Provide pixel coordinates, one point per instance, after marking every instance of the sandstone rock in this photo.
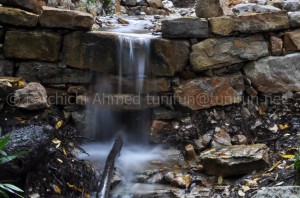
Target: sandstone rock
(31, 97)
(221, 138)
(208, 8)
(185, 28)
(235, 160)
(155, 3)
(206, 92)
(37, 45)
(294, 19)
(6, 68)
(182, 181)
(219, 52)
(275, 74)
(250, 8)
(49, 73)
(168, 56)
(93, 50)
(239, 140)
(30, 5)
(190, 153)
(60, 18)
(281, 191)
(292, 40)
(17, 17)
(276, 45)
(249, 24)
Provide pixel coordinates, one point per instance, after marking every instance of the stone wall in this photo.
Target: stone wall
(197, 64)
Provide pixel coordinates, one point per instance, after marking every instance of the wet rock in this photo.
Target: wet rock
(250, 8)
(239, 140)
(282, 191)
(31, 97)
(6, 67)
(268, 75)
(200, 191)
(61, 18)
(276, 46)
(168, 56)
(50, 73)
(155, 179)
(189, 152)
(235, 160)
(30, 5)
(129, 2)
(182, 181)
(208, 8)
(155, 3)
(203, 142)
(158, 127)
(168, 4)
(17, 17)
(221, 138)
(219, 52)
(82, 50)
(185, 28)
(169, 176)
(250, 24)
(292, 40)
(142, 3)
(37, 45)
(294, 19)
(206, 92)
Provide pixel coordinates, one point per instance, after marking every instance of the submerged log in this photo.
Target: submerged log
(105, 182)
(33, 143)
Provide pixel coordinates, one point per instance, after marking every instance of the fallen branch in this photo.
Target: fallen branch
(105, 182)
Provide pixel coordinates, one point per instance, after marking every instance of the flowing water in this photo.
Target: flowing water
(105, 122)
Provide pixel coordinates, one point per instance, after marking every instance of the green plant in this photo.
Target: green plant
(4, 158)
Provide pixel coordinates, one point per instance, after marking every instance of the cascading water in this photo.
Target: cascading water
(105, 121)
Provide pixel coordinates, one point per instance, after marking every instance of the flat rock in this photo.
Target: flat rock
(17, 17)
(50, 73)
(37, 45)
(155, 3)
(93, 50)
(185, 28)
(276, 46)
(294, 19)
(208, 8)
(61, 18)
(29, 5)
(249, 24)
(219, 52)
(235, 160)
(282, 192)
(206, 92)
(250, 8)
(168, 56)
(31, 97)
(292, 40)
(270, 74)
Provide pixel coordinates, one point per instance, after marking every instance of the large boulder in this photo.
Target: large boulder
(17, 17)
(206, 92)
(208, 8)
(37, 45)
(30, 5)
(292, 40)
(250, 24)
(61, 18)
(185, 28)
(220, 52)
(275, 74)
(50, 73)
(31, 97)
(93, 50)
(168, 56)
(294, 19)
(235, 160)
(280, 191)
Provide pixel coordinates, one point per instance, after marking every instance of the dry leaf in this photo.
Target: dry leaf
(74, 187)
(59, 160)
(58, 124)
(57, 142)
(56, 189)
(65, 152)
(283, 126)
(273, 167)
(220, 180)
(288, 156)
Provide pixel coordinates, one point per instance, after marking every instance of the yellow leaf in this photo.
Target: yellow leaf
(224, 155)
(288, 156)
(260, 111)
(287, 167)
(74, 187)
(56, 189)
(283, 126)
(273, 167)
(220, 180)
(65, 152)
(57, 142)
(59, 160)
(58, 124)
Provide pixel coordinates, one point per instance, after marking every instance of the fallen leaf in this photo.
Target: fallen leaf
(241, 193)
(273, 167)
(74, 187)
(224, 156)
(60, 160)
(57, 142)
(288, 156)
(245, 188)
(56, 189)
(58, 124)
(65, 152)
(220, 180)
(283, 126)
